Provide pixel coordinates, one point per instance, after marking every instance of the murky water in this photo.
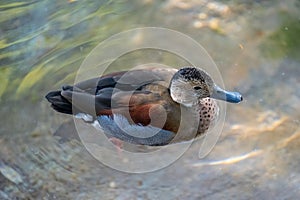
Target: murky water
(256, 47)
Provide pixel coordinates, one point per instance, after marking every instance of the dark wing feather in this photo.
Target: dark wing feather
(101, 94)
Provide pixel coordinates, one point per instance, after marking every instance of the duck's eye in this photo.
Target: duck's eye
(197, 88)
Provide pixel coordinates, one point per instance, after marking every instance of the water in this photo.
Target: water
(255, 45)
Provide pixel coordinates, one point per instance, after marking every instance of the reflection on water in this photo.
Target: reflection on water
(230, 160)
(255, 46)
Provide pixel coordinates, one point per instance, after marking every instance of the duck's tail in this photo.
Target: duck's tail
(58, 102)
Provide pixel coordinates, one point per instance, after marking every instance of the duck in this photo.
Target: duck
(151, 106)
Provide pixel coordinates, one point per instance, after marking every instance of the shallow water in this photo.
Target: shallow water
(255, 46)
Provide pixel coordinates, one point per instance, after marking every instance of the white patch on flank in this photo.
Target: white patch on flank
(97, 125)
(85, 117)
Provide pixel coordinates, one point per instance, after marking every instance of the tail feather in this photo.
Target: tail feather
(58, 102)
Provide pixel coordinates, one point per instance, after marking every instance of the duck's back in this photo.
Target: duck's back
(140, 92)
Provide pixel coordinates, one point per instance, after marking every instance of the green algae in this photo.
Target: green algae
(4, 78)
(54, 49)
(8, 12)
(285, 41)
(31, 78)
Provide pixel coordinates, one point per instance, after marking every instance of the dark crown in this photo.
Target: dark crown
(193, 73)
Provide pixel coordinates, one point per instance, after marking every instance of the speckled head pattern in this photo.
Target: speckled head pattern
(189, 85)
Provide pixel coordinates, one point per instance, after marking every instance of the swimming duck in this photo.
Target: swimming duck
(146, 106)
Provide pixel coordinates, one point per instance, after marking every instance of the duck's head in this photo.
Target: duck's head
(189, 84)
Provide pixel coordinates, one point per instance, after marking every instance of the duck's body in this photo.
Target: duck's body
(144, 106)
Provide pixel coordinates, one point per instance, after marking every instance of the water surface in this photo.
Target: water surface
(256, 47)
